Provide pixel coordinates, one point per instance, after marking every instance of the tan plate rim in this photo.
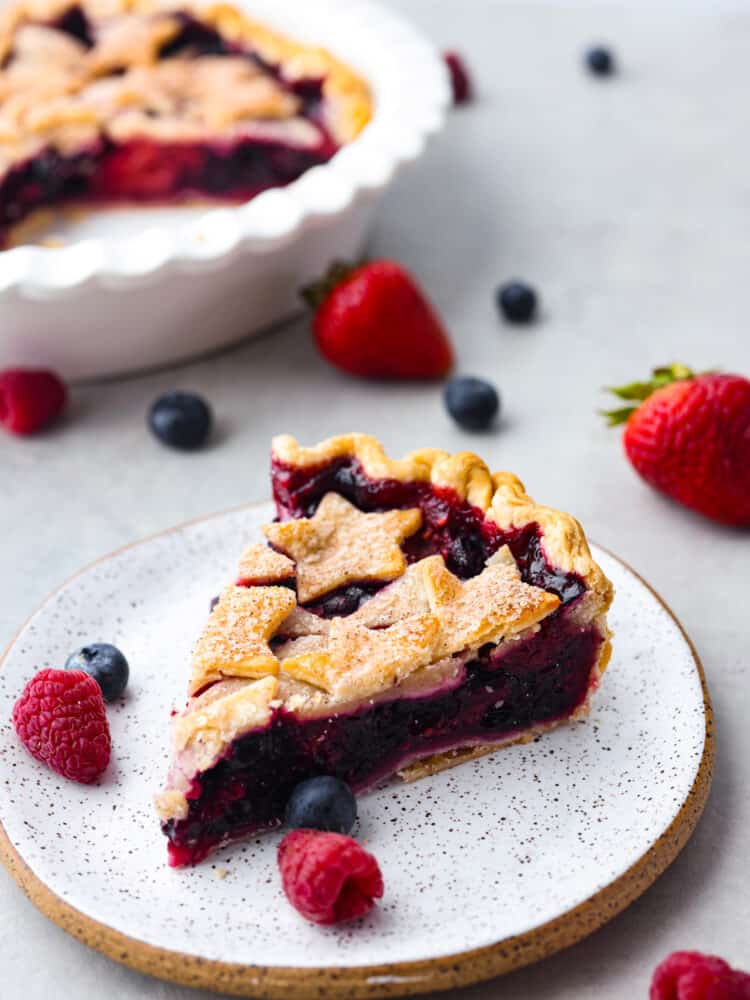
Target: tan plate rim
(398, 978)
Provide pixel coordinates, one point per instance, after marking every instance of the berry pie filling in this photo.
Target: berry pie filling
(160, 106)
(452, 527)
(387, 671)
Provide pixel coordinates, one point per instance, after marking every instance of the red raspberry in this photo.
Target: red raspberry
(30, 398)
(60, 719)
(328, 877)
(689, 975)
(460, 79)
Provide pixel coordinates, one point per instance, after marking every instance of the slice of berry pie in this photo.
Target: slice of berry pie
(406, 616)
(107, 101)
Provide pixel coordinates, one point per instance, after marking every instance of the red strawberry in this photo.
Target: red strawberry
(372, 320)
(30, 398)
(689, 436)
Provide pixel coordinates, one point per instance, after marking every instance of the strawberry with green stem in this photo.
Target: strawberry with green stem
(372, 320)
(688, 435)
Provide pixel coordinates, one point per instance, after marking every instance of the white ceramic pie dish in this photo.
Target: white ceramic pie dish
(137, 288)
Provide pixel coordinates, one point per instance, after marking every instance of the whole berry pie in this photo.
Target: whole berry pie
(107, 101)
(403, 617)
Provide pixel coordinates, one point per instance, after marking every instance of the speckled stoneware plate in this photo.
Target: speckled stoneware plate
(487, 867)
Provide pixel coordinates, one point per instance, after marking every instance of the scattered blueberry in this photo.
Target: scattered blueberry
(214, 602)
(323, 803)
(181, 420)
(517, 301)
(472, 402)
(600, 61)
(106, 664)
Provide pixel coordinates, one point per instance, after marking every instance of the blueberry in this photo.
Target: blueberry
(472, 402)
(517, 301)
(323, 803)
(181, 420)
(106, 664)
(600, 61)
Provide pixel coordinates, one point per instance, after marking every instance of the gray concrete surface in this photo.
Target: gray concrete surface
(627, 203)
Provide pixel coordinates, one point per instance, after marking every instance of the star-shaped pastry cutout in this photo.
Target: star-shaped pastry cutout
(360, 662)
(261, 566)
(404, 597)
(131, 40)
(234, 642)
(424, 617)
(486, 608)
(340, 545)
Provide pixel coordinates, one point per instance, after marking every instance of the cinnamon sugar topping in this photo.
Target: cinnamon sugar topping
(484, 609)
(234, 642)
(261, 565)
(341, 545)
(361, 661)
(462, 616)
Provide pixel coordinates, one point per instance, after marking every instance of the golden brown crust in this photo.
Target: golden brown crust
(205, 732)
(500, 496)
(359, 662)
(463, 472)
(437, 762)
(340, 544)
(259, 566)
(485, 609)
(171, 804)
(56, 91)
(349, 98)
(234, 642)
(428, 615)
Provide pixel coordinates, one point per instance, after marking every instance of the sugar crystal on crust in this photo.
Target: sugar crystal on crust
(234, 642)
(206, 731)
(340, 544)
(494, 604)
(260, 565)
(361, 661)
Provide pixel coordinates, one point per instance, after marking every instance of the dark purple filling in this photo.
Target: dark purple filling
(451, 527)
(75, 23)
(539, 680)
(143, 170)
(344, 601)
(197, 39)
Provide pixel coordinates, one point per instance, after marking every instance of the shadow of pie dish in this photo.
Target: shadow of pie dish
(404, 616)
(142, 115)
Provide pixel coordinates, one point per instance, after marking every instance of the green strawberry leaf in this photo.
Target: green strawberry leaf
(633, 390)
(315, 293)
(672, 373)
(619, 416)
(637, 392)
